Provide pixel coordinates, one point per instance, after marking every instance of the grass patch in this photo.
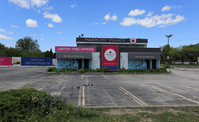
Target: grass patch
(32, 105)
(121, 71)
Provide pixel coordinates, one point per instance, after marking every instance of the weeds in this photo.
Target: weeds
(104, 70)
(23, 103)
(32, 105)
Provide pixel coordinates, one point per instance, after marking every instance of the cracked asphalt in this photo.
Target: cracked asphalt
(105, 90)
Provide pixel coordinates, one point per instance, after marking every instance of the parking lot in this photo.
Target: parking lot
(179, 88)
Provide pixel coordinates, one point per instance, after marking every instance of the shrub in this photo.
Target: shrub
(25, 103)
(99, 70)
(122, 70)
(80, 70)
(51, 69)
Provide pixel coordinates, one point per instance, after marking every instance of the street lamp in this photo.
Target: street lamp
(168, 36)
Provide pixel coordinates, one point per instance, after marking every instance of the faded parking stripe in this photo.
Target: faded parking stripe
(178, 95)
(133, 96)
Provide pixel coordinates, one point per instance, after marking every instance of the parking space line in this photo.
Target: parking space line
(1, 87)
(83, 97)
(82, 76)
(192, 88)
(133, 96)
(86, 81)
(178, 95)
(110, 97)
(36, 75)
(63, 88)
(104, 76)
(60, 76)
(40, 89)
(79, 97)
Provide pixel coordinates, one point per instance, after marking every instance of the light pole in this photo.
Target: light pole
(168, 36)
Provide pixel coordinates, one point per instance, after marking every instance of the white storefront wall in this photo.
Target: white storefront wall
(124, 60)
(95, 62)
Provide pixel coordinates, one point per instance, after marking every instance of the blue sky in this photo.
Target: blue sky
(59, 22)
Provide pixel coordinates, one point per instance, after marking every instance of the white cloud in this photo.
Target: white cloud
(29, 3)
(31, 23)
(103, 23)
(14, 26)
(160, 21)
(136, 12)
(4, 31)
(73, 5)
(96, 23)
(47, 8)
(22, 3)
(166, 8)
(149, 14)
(50, 25)
(114, 18)
(54, 17)
(5, 37)
(58, 32)
(10, 32)
(10, 46)
(107, 17)
(128, 22)
(33, 34)
(38, 3)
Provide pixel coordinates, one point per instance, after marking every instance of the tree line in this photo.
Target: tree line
(188, 53)
(25, 47)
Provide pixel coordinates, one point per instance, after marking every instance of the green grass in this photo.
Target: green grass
(121, 71)
(32, 105)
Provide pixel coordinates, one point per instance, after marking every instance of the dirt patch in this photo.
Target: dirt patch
(121, 111)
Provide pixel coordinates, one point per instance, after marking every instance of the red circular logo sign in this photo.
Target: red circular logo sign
(133, 40)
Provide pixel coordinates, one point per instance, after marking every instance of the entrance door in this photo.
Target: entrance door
(153, 64)
(148, 64)
(79, 63)
(86, 64)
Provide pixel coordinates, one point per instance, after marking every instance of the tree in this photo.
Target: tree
(49, 53)
(28, 47)
(183, 53)
(2, 46)
(164, 52)
(10, 52)
(27, 44)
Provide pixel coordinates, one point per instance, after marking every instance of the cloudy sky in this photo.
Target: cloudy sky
(59, 22)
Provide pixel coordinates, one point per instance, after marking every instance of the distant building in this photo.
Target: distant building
(111, 53)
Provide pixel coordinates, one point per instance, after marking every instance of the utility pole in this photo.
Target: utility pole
(168, 36)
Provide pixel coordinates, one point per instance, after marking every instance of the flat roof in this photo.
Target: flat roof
(83, 40)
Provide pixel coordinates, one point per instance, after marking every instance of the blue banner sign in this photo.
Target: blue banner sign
(35, 61)
(111, 68)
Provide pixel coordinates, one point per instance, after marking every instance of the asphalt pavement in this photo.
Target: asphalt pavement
(106, 90)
